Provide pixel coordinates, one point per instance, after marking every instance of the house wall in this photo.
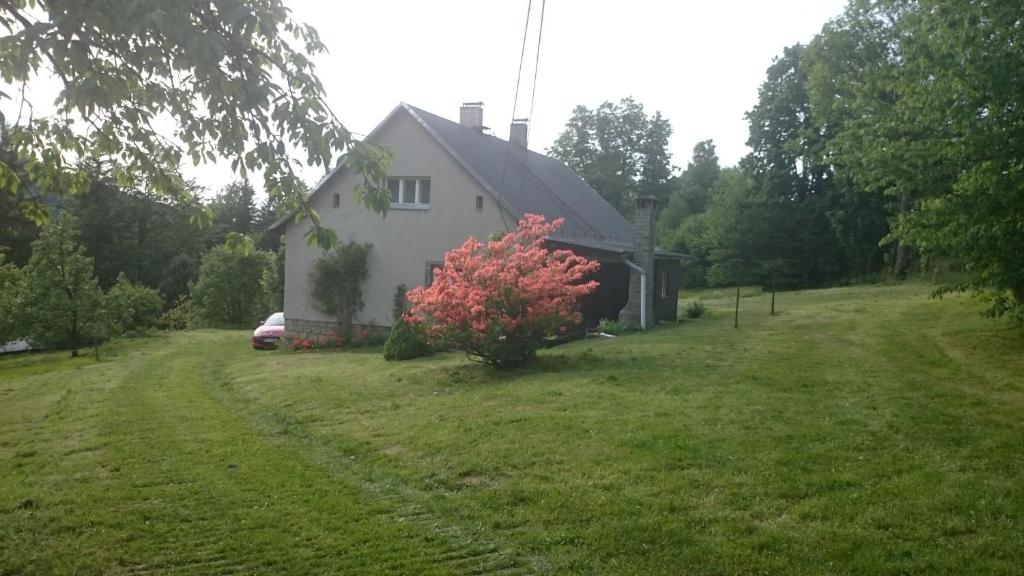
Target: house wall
(403, 242)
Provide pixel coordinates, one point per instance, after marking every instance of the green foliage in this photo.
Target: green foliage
(690, 195)
(335, 283)
(615, 327)
(248, 63)
(62, 304)
(926, 104)
(179, 316)
(620, 150)
(11, 279)
(132, 306)
(234, 211)
(399, 304)
(126, 230)
(695, 309)
(406, 341)
(177, 277)
(229, 289)
(272, 282)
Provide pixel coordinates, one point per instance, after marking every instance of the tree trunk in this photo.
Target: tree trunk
(902, 260)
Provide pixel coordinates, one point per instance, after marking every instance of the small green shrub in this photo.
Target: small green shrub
(405, 342)
(614, 327)
(132, 307)
(695, 309)
(179, 317)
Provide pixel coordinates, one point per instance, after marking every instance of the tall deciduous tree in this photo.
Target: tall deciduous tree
(131, 232)
(934, 116)
(234, 210)
(691, 192)
(787, 165)
(620, 150)
(62, 304)
(11, 279)
(229, 290)
(236, 78)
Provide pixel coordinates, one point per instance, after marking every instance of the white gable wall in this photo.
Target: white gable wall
(406, 240)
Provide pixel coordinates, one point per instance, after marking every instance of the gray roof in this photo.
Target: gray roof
(524, 181)
(528, 182)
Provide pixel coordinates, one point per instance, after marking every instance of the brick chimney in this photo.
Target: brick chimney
(519, 131)
(643, 258)
(471, 114)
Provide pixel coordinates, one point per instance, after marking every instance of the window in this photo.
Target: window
(337, 200)
(432, 268)
(409, 192)
(393, 187)
(479, 203)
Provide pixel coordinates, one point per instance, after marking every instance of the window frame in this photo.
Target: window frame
(417, 192)
(428, 276)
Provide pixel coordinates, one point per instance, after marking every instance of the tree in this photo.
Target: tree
(225, 71)
(500, 300)
(789, 167)
(272, 282)
(619, 150)
(61, 298)
(131, 306)
(691, 192)
(234, 210)
(11, 279)
(177, 278)
(931, 114)
(131, 232)
(336, 284)
(229, 290)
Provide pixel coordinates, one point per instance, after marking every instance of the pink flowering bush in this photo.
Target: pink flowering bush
(498, 301)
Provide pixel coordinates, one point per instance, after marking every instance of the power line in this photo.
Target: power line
(536, 62)
(515, 103)
(533, 95)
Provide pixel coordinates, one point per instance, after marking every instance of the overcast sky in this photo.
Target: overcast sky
(699, 62)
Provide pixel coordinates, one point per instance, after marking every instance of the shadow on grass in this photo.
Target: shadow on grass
(479, 374)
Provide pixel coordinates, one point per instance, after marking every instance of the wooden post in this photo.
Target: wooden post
(736, 317)
(773, 295)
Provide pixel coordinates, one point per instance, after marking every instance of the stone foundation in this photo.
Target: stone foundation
(314, 329)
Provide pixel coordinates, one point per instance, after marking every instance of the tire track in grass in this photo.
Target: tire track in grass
(466, 551)
(214, 490)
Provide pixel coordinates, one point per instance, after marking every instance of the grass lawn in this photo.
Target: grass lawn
(861, 431)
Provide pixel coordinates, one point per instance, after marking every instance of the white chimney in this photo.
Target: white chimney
(471, 114)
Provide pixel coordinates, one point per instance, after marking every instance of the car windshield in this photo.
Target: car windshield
(275, 320)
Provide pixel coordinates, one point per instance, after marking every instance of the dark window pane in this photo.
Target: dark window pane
(393, 187)
(408, 191)
(337, 200)
(479, 202)
(424, 191)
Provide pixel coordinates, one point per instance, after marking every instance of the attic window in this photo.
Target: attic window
(409, 192)
(479, 203)
(337, 200)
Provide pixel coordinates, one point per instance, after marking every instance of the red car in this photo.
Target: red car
(269, 332)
